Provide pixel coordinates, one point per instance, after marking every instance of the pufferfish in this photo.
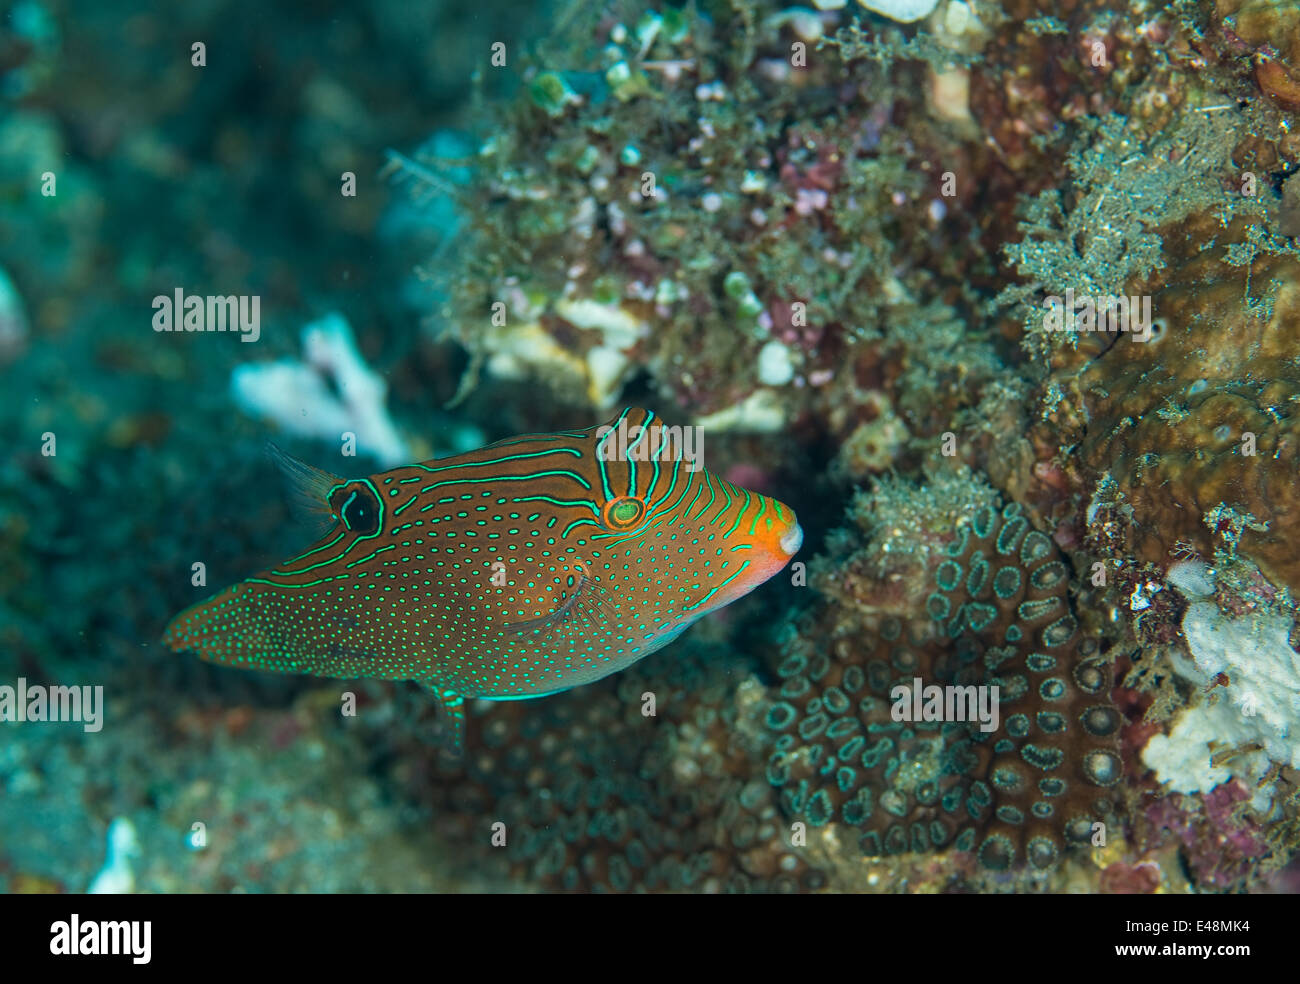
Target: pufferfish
(525, 568)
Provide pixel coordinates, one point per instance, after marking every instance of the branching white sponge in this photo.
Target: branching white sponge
(331, 391)
(904, 11)
(1259, 705)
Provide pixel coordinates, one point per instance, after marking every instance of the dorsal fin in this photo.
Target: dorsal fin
(307, 490)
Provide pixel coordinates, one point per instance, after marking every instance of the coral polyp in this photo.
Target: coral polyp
(1021, 786)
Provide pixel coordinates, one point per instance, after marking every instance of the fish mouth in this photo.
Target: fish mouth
(791, 540)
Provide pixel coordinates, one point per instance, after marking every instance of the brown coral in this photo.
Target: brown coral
(1269, 30)
(1206, 415)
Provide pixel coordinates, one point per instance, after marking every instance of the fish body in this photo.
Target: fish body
(522, 569)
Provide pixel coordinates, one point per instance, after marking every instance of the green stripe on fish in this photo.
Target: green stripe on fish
(525, 568)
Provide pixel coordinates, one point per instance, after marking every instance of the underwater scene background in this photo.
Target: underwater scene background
(1000, 297)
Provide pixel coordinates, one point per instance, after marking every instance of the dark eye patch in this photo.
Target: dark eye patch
(357, 507)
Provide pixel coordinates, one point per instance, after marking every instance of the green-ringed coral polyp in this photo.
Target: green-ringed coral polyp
(595, 794)
(999, 615)
(1005, 585)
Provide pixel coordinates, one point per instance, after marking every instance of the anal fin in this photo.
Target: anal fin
(451, 718)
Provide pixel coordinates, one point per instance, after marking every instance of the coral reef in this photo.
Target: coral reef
(705, 212)
(1220, 845)
(1264, 37)
(828, 233)
(594, 794)
(1020, 791)
(1206, 417)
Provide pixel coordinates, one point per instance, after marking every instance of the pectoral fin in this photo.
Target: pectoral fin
(587, 603)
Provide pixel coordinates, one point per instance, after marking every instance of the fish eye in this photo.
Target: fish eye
(357, 507)
(623, 513)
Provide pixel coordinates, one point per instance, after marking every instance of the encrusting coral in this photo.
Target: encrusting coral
(596, 794)
(999, 615)
(1206, 415)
